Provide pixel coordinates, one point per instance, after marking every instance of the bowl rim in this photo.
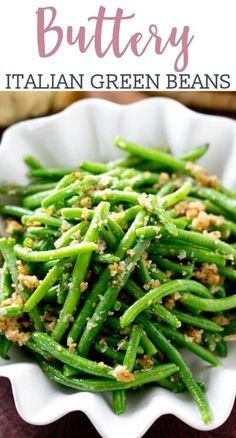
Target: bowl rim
(94, 102)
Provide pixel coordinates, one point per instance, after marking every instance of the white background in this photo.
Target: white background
(211, 21)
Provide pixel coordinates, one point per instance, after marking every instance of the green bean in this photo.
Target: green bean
(115, 228)
(181, 222)
(43, 232)
(6, 247)
(13, 210)
(52, 348)
(197, 321)
(157, 274)
(173, 354)
(221, 200)
(119, 401)
(145, 342)
(183, 341)
(49, 173)
(52, 293)
(160, 311)
(12, 310)
(34, 201)
(221, 348)
(196, 153)
(166, 316)
(149, 232)
(109, 298)
(229, 273)
(5, 345)
(231, 328)
(210, 340)
(160, 292)
(67, 237)
(107, 234)
(36, 188)
(54, 254)
(88, 307)
(33, 162)
(92, 167)
(185, 252)
(177, 196)
(205, 241)
(42, 219)
(79, 274)
(119, 398)
(178, 268)
(152, 154)
(49, 281)
(5, 283)
(127, 215)
(105, 258)
(123, 344)
(152, 204)
(168, 188)
(114, 196)
(66, 192)
(63, 287)
(133, 343)
(109, 352)
(174, 386)
(76, 213)
(94, 385)
(210, 305)
(143, 273)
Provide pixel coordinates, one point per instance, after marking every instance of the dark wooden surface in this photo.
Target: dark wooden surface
(77, 425)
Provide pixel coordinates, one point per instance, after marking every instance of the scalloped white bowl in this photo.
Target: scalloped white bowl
(86, 131)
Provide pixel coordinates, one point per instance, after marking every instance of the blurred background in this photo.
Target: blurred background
(15, 106)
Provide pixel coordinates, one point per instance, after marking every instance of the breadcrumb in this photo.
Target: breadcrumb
(220, 320)
(194, 334)
(116, 268)
(215, 235)
(11, 328)
(145, 361)
(204, 221)
(163, 177)
(122, 374)
(154, 283)
(90, 325)
(170, 301)
(230, 337)
(49, 321)
(86, 202)
(12, 226)
(146, 202)
(202, 176)
(208, 274)
(29, 281)
(83, 286)
(85, 214)
(101, 245)
(14, 299)
(72, 346)
(21, 269)
(65, 226)
(189, 209)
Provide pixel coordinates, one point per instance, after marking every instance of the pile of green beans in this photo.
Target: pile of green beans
(105, 277)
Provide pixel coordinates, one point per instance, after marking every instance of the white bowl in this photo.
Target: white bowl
(86, 131)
